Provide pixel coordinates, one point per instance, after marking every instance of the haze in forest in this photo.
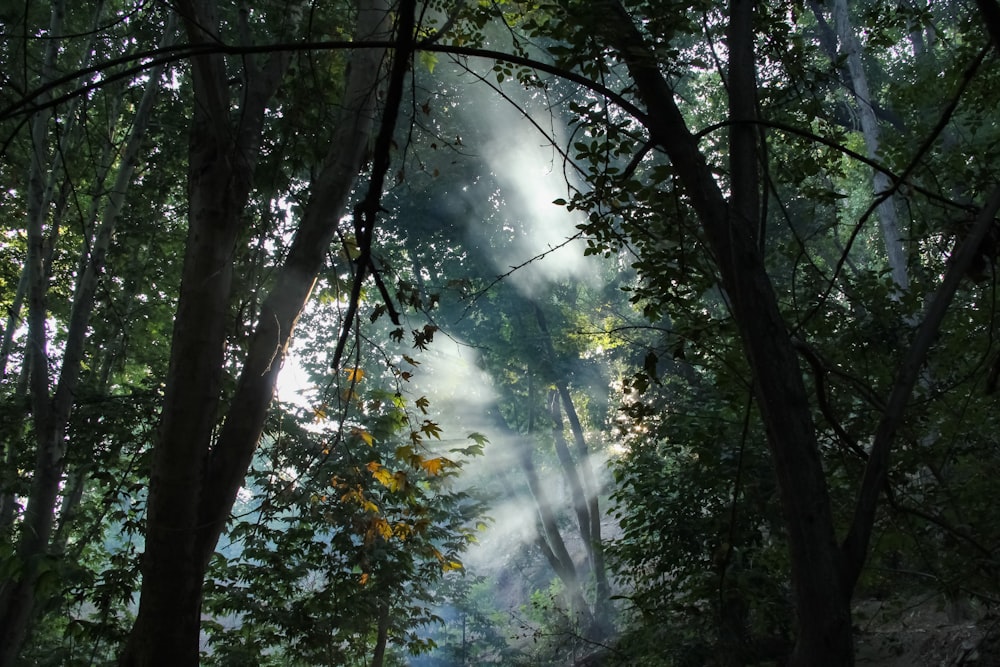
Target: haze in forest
(774, 298)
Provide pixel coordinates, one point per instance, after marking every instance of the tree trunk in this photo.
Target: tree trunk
(822, 596)
(382, 636)
(583, 485)
(220, 168)
(889, 221)
(17, 593)
(554, 547)
(193, 484)
(231, 456)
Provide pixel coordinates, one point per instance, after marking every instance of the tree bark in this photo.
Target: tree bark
(222, 158)
(193, 484)
(889, 221)
(822, 596)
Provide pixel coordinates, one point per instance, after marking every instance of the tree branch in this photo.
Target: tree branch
(855, 544)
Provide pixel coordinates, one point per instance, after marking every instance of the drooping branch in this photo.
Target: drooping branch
(366, 212)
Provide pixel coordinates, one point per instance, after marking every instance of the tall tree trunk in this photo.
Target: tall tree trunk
(231, 455)
(554, 547)
(222, 158)
(55, 412)
(823, 572)
(193, 484)
(579, 475)
(822, 596)
(17, 593)
(892, 237)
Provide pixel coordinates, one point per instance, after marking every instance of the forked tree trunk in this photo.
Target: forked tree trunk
(579, 474)
(222, 156)
(193, 483)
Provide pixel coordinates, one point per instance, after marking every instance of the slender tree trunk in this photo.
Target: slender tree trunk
(888, 219)
(582, 482)
(602, 603)
(52, 415)
(570, 474)
(17, 593)
(554, 546)
(382, 636)
(83, 302)
(13, 321)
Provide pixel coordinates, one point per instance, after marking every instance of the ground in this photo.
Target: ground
(926, 632)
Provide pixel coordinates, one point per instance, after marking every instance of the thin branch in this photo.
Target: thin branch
(366, 212)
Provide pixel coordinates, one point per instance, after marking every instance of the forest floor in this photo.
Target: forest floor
(925, 632)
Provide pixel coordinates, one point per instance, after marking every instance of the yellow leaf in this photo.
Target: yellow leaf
(435, 466)
(384, 529)
(364, 578)
(400, 481)
(451, 565)
(402, 531)
(383, 476)
(319, 412)
(364, 435)
(354, 374)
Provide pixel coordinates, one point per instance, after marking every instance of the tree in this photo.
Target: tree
(195, 474)
(750, 222)
(824, 571)
(52, 404)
